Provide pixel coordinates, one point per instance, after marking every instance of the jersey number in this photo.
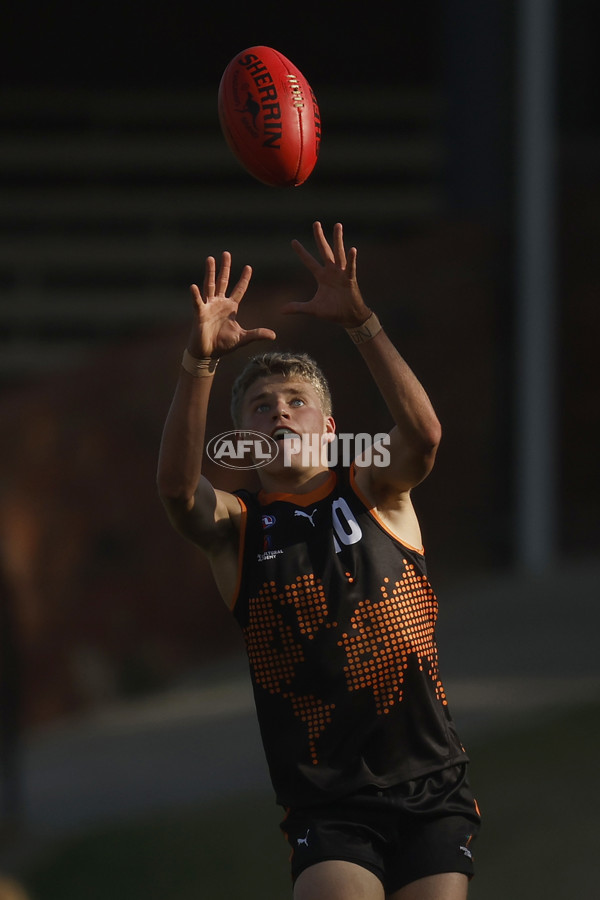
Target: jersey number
(346, 528)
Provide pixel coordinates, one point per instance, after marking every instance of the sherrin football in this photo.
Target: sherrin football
(270, 117)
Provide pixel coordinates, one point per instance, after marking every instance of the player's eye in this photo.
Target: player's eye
(262, 407)
(297, 401)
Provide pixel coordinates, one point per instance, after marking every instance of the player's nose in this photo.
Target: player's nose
(280, 410)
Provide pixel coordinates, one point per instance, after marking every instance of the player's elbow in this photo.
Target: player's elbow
(180, 512)
(176, 508)
(430, 438)
(173, 494)
(427, 448)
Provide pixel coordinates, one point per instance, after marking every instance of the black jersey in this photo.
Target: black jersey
(338, 618)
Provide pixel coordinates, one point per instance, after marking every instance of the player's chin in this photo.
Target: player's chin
(290, 464)
(285, 465)
(272, 467)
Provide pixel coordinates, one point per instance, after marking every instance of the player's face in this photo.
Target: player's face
(284, 407)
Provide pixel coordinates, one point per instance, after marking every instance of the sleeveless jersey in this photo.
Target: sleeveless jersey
(338, 618)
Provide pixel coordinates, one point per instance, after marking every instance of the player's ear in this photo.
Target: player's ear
(330, 426)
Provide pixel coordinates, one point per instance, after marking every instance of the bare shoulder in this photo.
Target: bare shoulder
(393, 507)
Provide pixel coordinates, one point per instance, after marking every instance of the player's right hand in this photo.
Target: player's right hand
(216, 330)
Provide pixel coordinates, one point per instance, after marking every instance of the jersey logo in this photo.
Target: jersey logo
(268, 521)
(309, 516)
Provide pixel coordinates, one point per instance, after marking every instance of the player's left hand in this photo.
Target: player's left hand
(338, 297)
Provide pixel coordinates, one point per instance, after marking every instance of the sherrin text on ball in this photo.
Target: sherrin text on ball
(270, 117)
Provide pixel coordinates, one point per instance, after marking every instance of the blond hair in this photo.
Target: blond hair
(290, 365)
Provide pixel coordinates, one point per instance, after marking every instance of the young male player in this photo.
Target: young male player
(324, 571)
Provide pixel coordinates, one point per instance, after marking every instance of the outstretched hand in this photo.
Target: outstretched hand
(338, 297)
(216, 330)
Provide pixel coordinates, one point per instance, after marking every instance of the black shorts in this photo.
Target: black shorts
(403, 833)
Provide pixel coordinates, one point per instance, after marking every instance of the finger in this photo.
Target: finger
(351, 267)
(209, 277)
(242, 284)
(307, 258)
(257, 334)
(322, 243)
(338, 245)
(223, 276)
(196, 295)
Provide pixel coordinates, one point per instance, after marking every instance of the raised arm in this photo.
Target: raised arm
(195, 508)
(417, 432)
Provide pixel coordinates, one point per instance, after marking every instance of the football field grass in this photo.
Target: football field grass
(538, 787)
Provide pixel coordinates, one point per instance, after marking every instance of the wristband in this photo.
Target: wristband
(199, 368)
(366, 331)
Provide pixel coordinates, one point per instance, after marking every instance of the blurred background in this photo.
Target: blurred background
(461, 150)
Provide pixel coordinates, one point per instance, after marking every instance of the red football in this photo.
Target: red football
(270, 117)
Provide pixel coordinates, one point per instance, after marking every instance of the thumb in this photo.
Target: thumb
(257, 334)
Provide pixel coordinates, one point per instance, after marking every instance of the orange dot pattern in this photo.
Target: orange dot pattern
(382, 636)
(306, 594)
(274, 654)
(386, 632)
(272, 651)
(316, 715)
